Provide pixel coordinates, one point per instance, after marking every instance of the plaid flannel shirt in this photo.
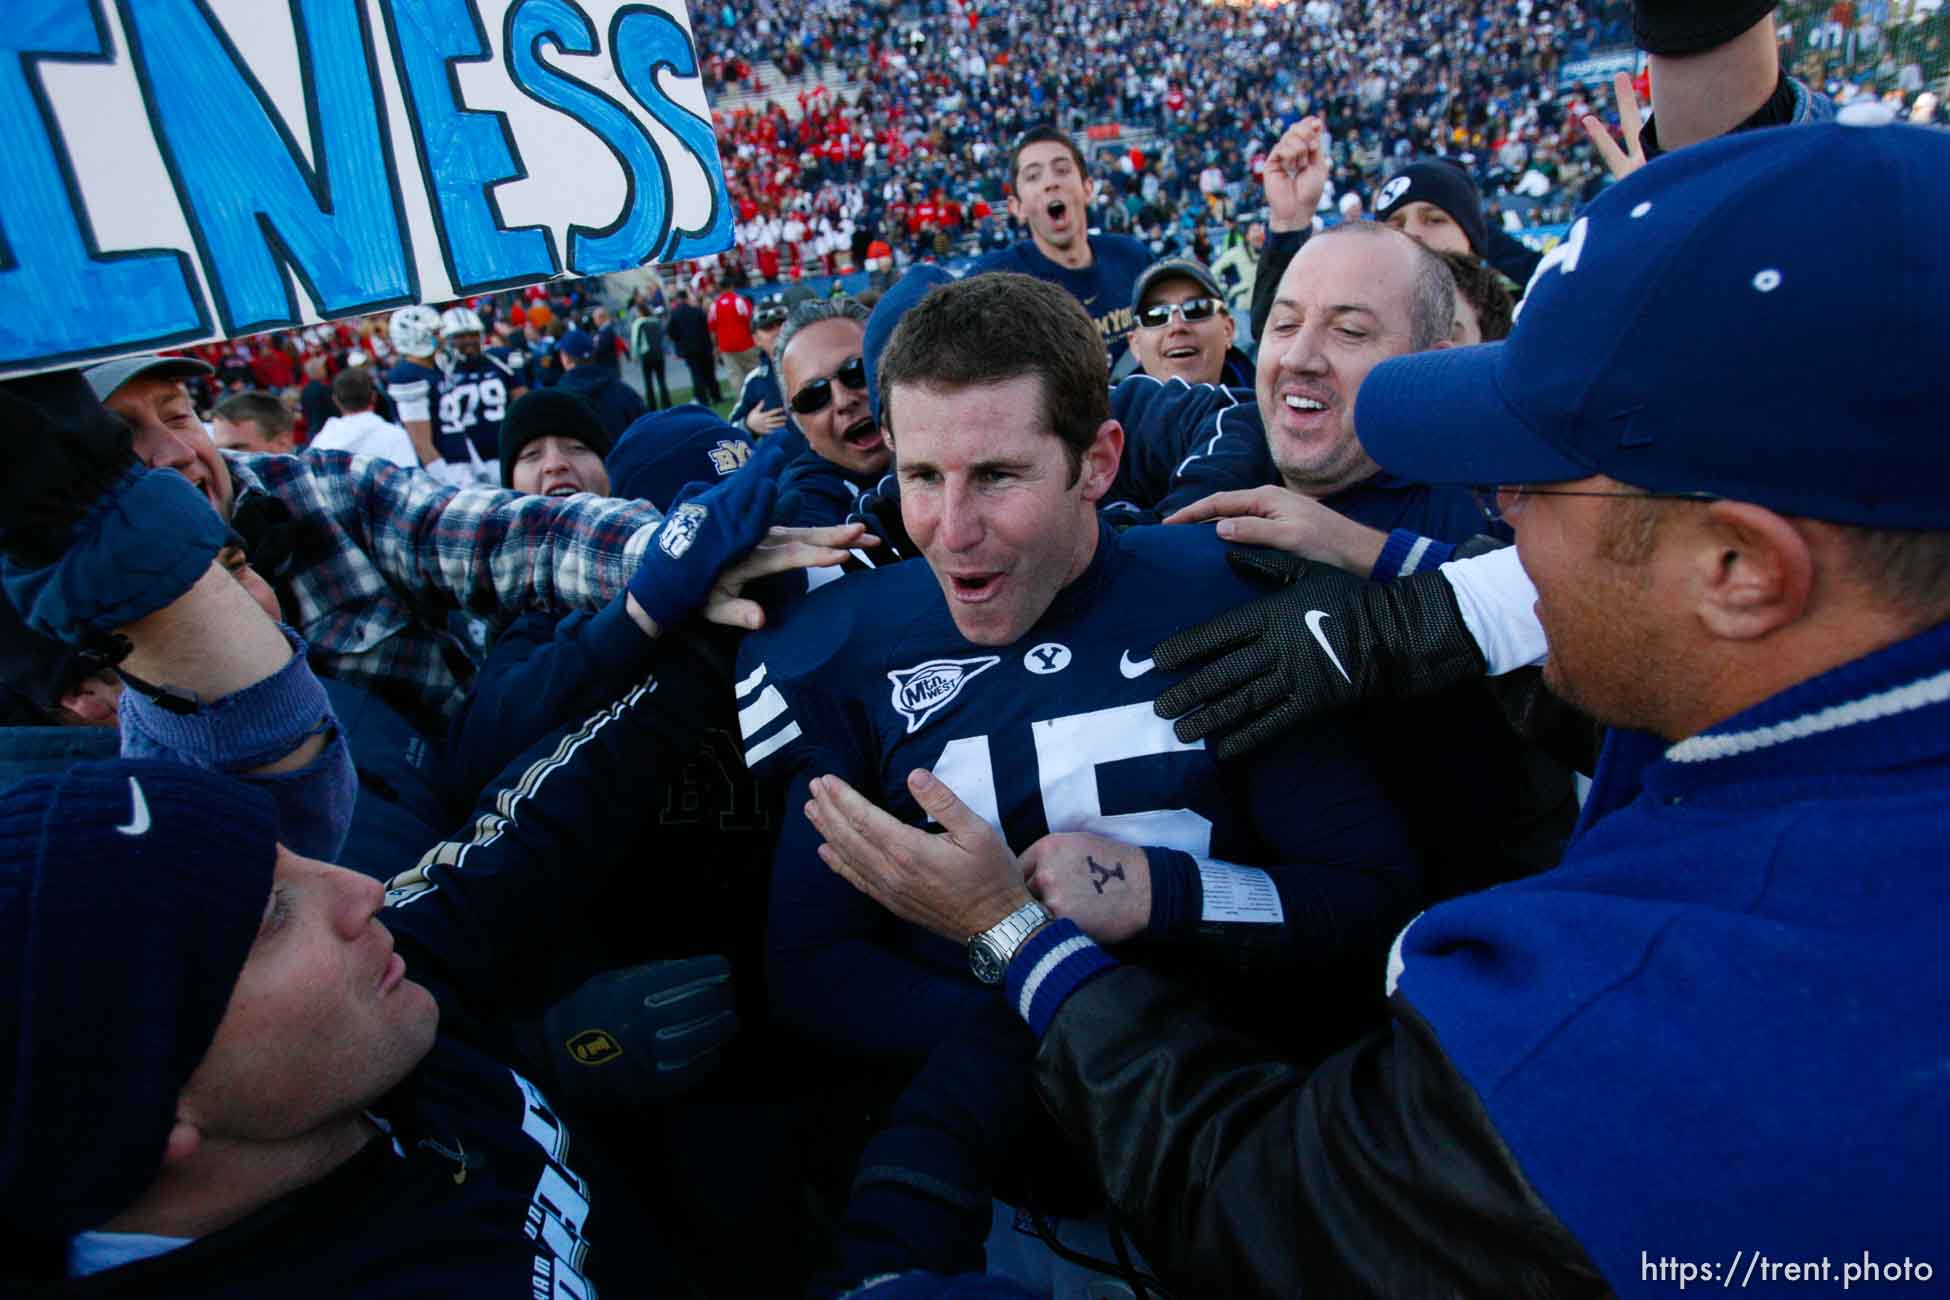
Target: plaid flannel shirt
(382, 555)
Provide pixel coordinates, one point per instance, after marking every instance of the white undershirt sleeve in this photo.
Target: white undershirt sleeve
(1498, 606)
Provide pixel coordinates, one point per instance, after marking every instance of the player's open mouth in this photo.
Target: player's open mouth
(1180, 354)
(564, 490)
(974, 588)
(863, 436)
(1058, 211)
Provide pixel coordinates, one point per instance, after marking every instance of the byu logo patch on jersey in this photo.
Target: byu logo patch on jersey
(1393, 190)
(1049, 657)
(921, 690)
(681, 529)
(729, 454)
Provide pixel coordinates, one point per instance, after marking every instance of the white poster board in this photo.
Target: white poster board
(185, 170)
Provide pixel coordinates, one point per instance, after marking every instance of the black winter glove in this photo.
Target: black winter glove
(1328, 640)
(56, 471)
(637, 1036)
(879, 508)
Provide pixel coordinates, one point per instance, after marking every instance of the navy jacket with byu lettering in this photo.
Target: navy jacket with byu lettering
(868, 678)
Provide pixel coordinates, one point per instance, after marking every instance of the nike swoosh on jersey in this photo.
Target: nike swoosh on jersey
(1133, 668)
(1315, 617)
(139, 819)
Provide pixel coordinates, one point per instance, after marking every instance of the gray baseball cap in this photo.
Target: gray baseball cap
(1175, 268)
(111, 375)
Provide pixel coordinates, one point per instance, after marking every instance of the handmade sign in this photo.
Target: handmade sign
(182, 170)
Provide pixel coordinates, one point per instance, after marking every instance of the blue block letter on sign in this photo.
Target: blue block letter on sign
(50, 268)
(643, 42)
(636, 235)
(256, 207)
(463, 151)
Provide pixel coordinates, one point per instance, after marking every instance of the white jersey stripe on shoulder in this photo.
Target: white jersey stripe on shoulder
(766, 748)
(750, 684)
(753, 718)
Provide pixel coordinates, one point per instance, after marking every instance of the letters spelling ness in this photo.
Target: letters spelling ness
(261, 216)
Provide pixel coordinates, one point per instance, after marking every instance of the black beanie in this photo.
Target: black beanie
(130, 895)
(1447, 186)
(549, 413)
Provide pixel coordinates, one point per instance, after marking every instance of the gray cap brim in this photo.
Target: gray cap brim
(1176, 268)
(111, 375)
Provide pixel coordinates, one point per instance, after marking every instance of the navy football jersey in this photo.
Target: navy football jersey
(415, 390)
(1294, 855)
(474, 395)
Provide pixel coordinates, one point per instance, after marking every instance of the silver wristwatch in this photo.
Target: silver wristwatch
(989, 952)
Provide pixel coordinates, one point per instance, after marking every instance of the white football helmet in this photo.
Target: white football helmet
(459, 320)
(415, 331)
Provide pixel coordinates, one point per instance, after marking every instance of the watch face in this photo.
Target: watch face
(985, 961)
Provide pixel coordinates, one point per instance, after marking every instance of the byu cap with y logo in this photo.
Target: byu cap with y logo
(1756, 317)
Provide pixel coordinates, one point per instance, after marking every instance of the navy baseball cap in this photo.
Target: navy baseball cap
(1757, 317)
(578, 344)
(665, 451)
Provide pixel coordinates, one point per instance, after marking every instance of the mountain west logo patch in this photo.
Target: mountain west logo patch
(680, 530)
(729, 454)
(924, 688)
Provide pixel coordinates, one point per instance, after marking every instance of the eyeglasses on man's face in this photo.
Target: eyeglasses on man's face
(813, 396)
(1158, 314)
(1504, 502)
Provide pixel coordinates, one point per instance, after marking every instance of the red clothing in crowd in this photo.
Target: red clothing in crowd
(731, 322)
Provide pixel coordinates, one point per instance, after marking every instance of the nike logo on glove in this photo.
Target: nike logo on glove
(139, 819)
(1133, 669)
(1315, 617)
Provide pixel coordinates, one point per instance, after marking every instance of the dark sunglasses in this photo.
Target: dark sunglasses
(1194, 310)
(814, 396)
(766, 319)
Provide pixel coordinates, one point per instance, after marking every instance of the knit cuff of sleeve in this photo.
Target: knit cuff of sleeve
(1056, 961)
(1177, 893)
(1285, 241)
(240, 731)
(1406, 552)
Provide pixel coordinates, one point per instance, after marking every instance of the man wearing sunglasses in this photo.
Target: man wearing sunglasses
(1184, 330)
(822, 366)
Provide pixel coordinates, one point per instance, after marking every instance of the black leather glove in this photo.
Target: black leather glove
(636, 1036)
(1326, 641)
(1693, 26)
(879, 508)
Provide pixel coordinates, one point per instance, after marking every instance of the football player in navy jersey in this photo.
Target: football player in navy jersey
(413, 382)
(1016, 665)
(476, 387)
(1050, 191)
